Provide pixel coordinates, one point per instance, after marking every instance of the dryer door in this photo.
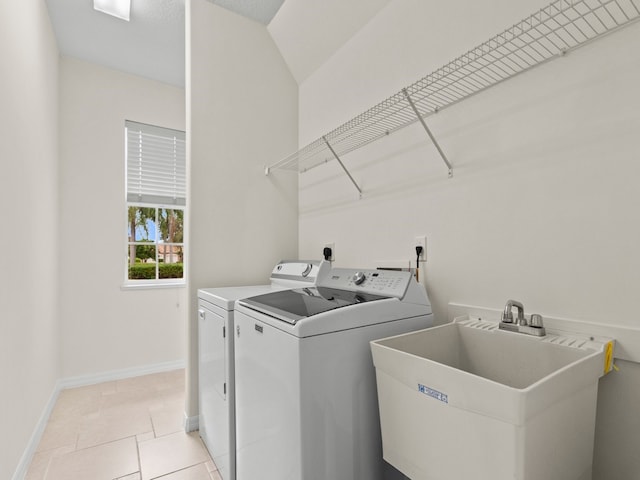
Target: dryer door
(215, 420)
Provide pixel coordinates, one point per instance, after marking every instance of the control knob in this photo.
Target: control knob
(536, 320)
(359, 278)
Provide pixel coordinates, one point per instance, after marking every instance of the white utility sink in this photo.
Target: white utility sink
(466, 400)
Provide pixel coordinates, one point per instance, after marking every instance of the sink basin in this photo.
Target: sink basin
(467, 400)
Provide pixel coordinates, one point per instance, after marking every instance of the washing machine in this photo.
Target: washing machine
(215, 353)
(306, 401)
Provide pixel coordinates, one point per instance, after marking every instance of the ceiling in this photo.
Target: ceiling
(259, 10)
(309, 32)
(152, 43)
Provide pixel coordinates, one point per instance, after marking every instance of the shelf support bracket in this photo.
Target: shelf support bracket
(433, 139)
(342, 165)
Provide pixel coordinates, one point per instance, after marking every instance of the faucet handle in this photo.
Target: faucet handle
(536, 320)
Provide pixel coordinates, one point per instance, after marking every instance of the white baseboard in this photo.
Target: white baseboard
(92, 379)
(81, 381)
(191, 424)
(28, 453)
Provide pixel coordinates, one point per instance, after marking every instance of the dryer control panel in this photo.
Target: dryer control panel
(389, 283)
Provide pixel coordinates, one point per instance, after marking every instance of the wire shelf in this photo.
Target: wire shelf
(554, 30)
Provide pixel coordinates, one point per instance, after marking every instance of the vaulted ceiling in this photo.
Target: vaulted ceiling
(152, 43)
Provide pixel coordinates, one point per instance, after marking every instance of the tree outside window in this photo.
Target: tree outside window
(156, 243)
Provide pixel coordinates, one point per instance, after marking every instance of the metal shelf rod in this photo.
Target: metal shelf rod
(342, 165)
(433, 139)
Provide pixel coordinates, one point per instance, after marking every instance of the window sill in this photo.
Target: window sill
(152, 286)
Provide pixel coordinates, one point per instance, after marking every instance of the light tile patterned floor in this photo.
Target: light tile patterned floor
(122, 430)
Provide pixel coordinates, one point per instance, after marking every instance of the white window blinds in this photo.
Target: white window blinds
(156, 165)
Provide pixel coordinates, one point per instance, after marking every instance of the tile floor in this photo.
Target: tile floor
(128, 429)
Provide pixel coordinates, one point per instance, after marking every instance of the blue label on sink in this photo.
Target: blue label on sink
(443, 397)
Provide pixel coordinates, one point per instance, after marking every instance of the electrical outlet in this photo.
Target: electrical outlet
(421, 240)
(332, 246)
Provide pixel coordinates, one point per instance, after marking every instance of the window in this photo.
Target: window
(156, 199)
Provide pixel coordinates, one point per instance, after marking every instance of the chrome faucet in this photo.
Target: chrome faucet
(533, 327)
(507, 315)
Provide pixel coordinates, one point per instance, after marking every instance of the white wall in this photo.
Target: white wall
(241, 113)
(300, 30)
(105, 328)
(542, 207)
(29, 363)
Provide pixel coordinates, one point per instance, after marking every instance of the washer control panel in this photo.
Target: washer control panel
(390, 283)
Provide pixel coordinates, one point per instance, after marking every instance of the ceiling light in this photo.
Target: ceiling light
(117, 8)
